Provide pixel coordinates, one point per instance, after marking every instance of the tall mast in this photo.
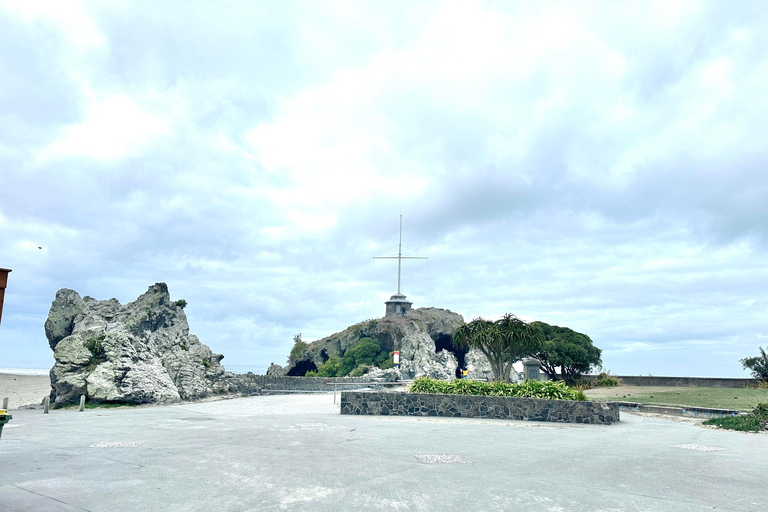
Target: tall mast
(400, 253)
(400, 256)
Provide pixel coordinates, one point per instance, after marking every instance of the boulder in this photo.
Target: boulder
(140, 352)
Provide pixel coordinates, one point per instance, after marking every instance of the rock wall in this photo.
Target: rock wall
(141, 352)
(469, 406)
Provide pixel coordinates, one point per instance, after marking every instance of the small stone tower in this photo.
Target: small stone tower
(397, 305)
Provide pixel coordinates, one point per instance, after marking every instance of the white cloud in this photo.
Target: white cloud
(112, 129)
(69, 17)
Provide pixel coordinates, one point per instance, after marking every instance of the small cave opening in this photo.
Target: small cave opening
(444, 343)
(301, 368)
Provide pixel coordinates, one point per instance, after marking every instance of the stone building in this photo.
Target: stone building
(397, 305)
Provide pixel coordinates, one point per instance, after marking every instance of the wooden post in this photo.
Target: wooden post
(3, 283)
(82, 403)
(5, 403)
(46, 404)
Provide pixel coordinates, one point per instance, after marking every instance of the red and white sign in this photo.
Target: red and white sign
(397, 357)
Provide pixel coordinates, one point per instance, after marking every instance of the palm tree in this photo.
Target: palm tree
(503, 342)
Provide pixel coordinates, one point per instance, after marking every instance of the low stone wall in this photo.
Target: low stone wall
(266, 385)
(692, 382)
(470, 406)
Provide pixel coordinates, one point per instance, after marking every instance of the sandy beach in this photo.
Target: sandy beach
(23, 389)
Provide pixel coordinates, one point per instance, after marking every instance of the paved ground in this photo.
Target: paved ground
(297, 453)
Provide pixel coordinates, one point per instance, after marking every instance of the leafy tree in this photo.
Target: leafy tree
(758, 365)
(299, 349)
(503, 342)
(571, 351)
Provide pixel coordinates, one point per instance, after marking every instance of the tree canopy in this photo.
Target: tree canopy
(503, 342)
(570, 351)
(758, 365)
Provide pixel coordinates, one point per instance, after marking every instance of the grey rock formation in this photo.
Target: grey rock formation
(275, 370)
(139, 352)
(423, 338)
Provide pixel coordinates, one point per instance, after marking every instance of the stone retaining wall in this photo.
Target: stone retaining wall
(470, 406)
(693, 382)
(270, 384)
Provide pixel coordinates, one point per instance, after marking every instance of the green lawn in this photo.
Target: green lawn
(741, 399)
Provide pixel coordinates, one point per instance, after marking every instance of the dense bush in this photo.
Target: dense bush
(753, 422)
(603, 380)
(606, 380)
(553, 390)
(358, 360)
(299, 349)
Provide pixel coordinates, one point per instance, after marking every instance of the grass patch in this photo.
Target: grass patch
(107, 405)
(753, 422)
(740, 399)
(553, 390)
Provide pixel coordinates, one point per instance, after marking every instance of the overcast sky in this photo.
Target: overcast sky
(596, 165)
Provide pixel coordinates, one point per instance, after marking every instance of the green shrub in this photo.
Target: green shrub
(606, 380)
(358, 360)
(389, 362)
(330, 368)
(96, 348)
(582, 383)
(753, 422)
(553, 390)
(181, 303)
(299, 349)
(360, 370)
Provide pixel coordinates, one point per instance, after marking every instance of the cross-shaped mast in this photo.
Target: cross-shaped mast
(400, 256)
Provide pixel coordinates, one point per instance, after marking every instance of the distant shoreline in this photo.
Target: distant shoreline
(25, 371)
(259, 369)
(23, 389)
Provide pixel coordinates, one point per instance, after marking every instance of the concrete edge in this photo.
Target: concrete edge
(688, 412)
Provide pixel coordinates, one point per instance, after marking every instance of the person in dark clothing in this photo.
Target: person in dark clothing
(459, 373)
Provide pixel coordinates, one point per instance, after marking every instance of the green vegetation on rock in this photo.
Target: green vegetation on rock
(753, 422)
(358, 360)
(299, 349)
(96, 348)
(552, 390)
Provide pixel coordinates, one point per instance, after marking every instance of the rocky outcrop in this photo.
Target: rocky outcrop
(422, 336)
(137, 353)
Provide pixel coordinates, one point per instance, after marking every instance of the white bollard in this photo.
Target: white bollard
(5, 403)
(46, 404)
(82, 403)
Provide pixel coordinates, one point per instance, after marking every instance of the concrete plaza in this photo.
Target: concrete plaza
(298, 453)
